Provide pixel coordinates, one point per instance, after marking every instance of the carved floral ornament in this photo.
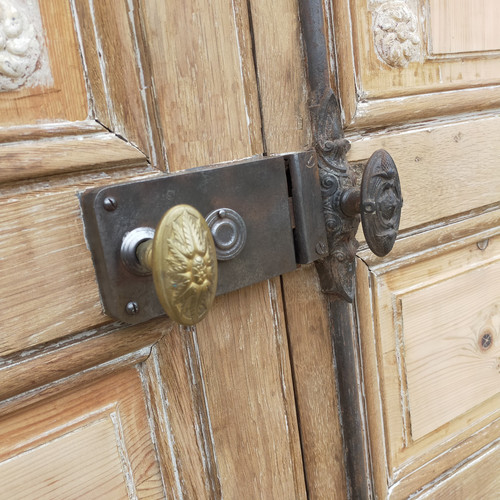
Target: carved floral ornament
(21, 49)
(395, 32)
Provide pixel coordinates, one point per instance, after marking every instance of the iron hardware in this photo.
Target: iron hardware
(264, 217)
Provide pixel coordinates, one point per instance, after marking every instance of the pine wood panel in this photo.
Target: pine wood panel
(100, 429)
(463, 26)
(66, 98)
(476, 479)
(46, 273)
(375, 94)
(436, 180)
(49, 472)
(447, 368)
(204, 107)
(31, 159)
(377, 79)
(109, 38)
(393, 364)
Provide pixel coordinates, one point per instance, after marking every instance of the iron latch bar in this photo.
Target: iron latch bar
(257, 191)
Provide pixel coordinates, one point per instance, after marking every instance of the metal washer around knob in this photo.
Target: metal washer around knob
(228, 231)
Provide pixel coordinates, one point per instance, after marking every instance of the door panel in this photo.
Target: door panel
(29, 60)
(167, 88)
(464, 483)
(422, 320)
(406, 75)
(91, 441)
(388, 70)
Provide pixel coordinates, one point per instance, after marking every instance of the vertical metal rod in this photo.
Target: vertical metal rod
(350, 399)
(343, 332)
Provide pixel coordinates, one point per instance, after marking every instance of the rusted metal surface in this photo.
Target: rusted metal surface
(381, 202)
(256, 189)
(336, 271)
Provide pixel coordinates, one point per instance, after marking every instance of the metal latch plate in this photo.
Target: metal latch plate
(257, 190)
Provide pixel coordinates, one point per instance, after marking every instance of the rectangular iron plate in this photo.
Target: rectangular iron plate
(256, 189)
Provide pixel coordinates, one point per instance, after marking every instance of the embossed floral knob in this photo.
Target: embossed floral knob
(379, 201)
(182, 259)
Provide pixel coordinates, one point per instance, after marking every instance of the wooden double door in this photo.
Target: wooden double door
(245, 404)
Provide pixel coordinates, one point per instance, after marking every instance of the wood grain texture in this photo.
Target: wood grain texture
(31, 159)
(231, 414)
(182, 431)
(475, 479)
(46, 273)
(402, 461)
(199, 83)
(100, 429)
(379, 113)
(437, 182)
(286, 127)
(49, 130)
(46, 364)
(374, 94)
(114, 69)
(448, 370)
(281, 76)
(379, 80)
(463, 26)
(66, 98)
(311, 353)
(250, 395)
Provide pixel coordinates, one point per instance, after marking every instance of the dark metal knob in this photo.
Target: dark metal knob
(379, 202)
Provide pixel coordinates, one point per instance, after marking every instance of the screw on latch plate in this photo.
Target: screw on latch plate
(109, 204)
(132, 308)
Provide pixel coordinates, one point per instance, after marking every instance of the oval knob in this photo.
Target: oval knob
(182, 259)
(379, 202)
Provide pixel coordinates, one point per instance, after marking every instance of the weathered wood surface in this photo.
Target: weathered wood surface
(376, 92)
(92, 440)
(65, 98)
(424, 418)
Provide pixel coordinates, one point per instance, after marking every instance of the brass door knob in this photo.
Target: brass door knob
(379, 201)
(181, 257)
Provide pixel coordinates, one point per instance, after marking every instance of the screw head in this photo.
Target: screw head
(132, 308)
(483, 244)
(109, 204)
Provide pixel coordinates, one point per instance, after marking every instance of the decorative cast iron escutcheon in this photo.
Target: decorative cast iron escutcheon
(381, 202)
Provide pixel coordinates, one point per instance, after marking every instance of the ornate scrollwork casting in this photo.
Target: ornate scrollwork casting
(336, 271)
(381, 202)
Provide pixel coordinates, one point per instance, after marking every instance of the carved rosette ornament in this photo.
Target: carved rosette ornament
(395, 32)
(20, 44)
(184, 265)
